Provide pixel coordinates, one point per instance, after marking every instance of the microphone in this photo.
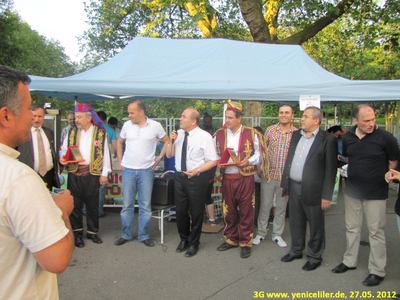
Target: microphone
(173, 140)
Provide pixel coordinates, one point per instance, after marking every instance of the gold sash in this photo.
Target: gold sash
(96, 151)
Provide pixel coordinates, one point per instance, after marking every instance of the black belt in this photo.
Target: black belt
(295, 181)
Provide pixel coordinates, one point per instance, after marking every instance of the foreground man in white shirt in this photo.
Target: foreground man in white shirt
(195, 154)
(36, 238)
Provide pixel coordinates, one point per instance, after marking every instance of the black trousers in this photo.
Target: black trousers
(84, 189)
(300, 214)
(190, 194)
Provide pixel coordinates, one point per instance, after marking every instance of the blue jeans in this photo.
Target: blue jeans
(141, 181)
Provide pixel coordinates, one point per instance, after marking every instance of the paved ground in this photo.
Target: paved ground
(134, 271)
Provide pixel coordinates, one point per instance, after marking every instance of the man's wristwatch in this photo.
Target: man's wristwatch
(160, 157)
(198, 172)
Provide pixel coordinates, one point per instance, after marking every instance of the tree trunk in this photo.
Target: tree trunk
(252, 109)
(252, 13)
(263, 30)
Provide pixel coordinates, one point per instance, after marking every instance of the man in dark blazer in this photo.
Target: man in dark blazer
(309, 178)
(28, 156)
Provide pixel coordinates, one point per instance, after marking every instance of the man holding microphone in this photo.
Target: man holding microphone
(195, 154)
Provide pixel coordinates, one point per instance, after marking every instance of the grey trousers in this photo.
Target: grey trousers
(300, 215)
(375, 215)
(266, 197)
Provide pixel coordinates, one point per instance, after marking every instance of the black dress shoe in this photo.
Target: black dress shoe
(225, 246)
(341, 268)
(183, 245)
(79, 242)
(289, 258)
(120, 242)
(373, 280)
(95, 238)
(245, 252)
(309, 266)
(148, 243)
(192, 251)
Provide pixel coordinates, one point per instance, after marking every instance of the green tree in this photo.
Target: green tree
(359, 51)
(24, 49)
(10, 49)
(363, 23)
(115, 22)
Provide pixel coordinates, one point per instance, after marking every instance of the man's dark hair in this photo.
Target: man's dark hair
(140, 105)
(283, 105)
(35, 107)
(316, 113)
(258, 128)
(207, 115)
(102, 115)
(356, 110)
(112, 121)
(334, 129)
(237, 114)
(9, 94)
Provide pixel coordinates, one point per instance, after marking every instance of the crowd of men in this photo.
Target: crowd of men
(298, 167)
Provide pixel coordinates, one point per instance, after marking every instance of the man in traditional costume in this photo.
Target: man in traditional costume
(238, 179)
(86, 176)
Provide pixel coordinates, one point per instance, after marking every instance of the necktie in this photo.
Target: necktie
(184, 150)
(42, 155)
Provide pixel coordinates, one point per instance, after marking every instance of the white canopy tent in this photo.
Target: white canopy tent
(212, 69)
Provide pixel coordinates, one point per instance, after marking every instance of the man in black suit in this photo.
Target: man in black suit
(309, 178)
(39, 153)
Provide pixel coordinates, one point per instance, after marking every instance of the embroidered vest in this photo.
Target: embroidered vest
(246, 150)
(96, 151)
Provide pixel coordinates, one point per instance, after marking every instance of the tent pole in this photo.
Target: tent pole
(334, 123)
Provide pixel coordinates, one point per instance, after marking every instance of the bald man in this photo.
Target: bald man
(195, 154)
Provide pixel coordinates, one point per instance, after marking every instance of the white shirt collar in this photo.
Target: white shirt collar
(314, 133)
(236, 132)
(34, 128)
(9, 151)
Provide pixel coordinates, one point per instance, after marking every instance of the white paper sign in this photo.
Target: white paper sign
(309, 100)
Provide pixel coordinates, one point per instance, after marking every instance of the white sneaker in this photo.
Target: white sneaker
(211, 222)
(281, 243)
(257, 239)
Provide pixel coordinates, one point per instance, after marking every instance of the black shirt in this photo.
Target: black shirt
(368, 163)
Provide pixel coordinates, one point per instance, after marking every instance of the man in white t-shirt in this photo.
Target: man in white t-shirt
(36, 238)
(140, 135)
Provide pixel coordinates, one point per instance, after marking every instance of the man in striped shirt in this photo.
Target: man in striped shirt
(278, 140)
